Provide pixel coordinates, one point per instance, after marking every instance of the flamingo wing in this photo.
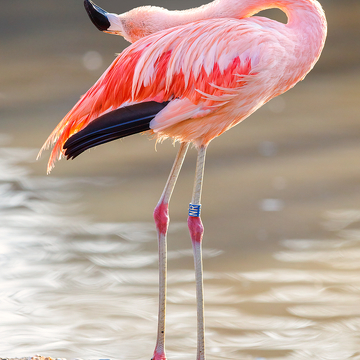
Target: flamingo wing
(113, 125)
(198, 68)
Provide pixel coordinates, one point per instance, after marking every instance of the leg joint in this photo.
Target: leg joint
(196, 228)
(161, 217)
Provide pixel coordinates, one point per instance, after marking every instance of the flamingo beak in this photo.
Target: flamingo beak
(97, 15)
(104, 21)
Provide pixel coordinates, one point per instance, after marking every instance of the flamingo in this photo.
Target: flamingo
(190, 75)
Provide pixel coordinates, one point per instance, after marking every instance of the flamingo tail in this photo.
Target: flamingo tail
(113, 125)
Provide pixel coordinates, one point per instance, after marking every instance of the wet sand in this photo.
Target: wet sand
(280, 210)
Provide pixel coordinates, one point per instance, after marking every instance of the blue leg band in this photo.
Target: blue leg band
(194, 210)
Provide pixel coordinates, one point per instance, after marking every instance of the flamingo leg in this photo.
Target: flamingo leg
(196, 232)
(161, 217)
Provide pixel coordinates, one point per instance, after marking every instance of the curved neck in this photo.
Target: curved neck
(295, 10)
(306, 19)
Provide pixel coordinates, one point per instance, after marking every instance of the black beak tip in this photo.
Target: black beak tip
(97, 15)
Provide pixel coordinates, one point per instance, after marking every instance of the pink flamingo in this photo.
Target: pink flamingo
(190, 75)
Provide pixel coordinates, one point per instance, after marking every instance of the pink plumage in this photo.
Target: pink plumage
(190, 75)
(215, 72)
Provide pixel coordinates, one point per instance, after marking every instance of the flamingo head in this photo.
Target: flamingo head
(132, 25)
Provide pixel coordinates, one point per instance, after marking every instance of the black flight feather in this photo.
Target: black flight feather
(113, 125)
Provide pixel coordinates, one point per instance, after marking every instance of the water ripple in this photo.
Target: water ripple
(73, 287)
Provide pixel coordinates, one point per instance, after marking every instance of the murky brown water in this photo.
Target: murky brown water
(71, 286)
(281, 209)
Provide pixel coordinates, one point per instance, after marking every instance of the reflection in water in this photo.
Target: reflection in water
(74, 288)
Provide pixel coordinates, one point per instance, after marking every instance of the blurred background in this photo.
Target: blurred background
(281, 208)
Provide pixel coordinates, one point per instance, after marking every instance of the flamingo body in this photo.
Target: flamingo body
(213, 72)
(190, 76)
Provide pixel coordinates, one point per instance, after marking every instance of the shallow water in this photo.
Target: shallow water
(78, 249)
(73, 287)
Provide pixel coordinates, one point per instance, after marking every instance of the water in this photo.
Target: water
(72, 287)
(78, 249)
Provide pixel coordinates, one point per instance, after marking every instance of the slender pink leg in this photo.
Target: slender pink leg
(196, 232)
(161, 216)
